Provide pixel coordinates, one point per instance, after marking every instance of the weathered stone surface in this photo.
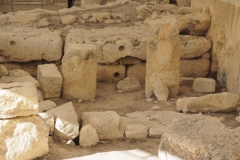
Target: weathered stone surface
(220, 102)
(18, 99)
(46, 105)
(3, 71)
(66, 122)
(90, 2)
(193, 46)
(18, 73)
(200, 137)
(137, 71)
(101, 17)
(155, 133)
(49, 119)
(88, 136)
(50, 80)
(23, 138)
(25, 18)
(237, 119)
(163, 56)
(160, 90)
(45, 45)
(186, 80)
(79, 69)
(225, 53)
(129, 84)
(130, 61)
(110, 73)
(206, 55)
(195, 24)
(184, 3)
(195, 68)
(106, 123)
(68, 19)
(204, 85)
(136, 131)
(4, 19)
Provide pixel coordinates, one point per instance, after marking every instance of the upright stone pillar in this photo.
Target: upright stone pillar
(79, 69)
(163, 56)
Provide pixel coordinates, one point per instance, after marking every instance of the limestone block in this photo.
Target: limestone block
(199, 138)
(50, 80)
(23, 138)
(18, 99)
(195, 68)
(129, 84)
(46, 105)
(86, 16)
(26, 79)
(68, 19)
(25, 18)
(206, 55)
(130, 60)
(136, 131)
(45, 45)
(114, 51)
(68, 11)
(49, 119)
(106, 123)
(4, 19)
(184, 3)
(206, 85)
(237, 119)
(66, 122)
(137, 71)
(155, 132)
(40, 97)
(88, 136)
(163, 56)
(185, 10)
(79, 69)
(90, 2)
(160, 90)
(195, 24)
(18, 73)
(220, 102)
(186, 80)
(110, 73)
(101, 17)
(3, 71)
(193, 46)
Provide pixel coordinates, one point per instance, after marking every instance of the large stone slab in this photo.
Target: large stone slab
(220, 102)
(23, 138)
(200, 137)
(66, 122)
(163, 56)
(79, 69)
(50, 80)
(106, 123)
(110, 73)
(195, 24)
(18, 99)
(195, 68)
(193, 46)
(41, 44)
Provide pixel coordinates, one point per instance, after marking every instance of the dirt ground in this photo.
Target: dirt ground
(109, 99)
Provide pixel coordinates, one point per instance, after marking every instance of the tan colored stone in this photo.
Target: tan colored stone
(106, 123)
(18, 99)
(46, 105)
(220, 102)
(200, 137)
(68, 19)
(88, 136)
(193, 46)
(206, 85)
(160, 90)
(50, 80)
(25, 18)
(184, 3)
(195, 68)
(23, 138)
(90, 2)
(45, 45)
(3, 71)
(129, 84)
(163, 56)
(79, 69)
(136, 131)
(137, 71)
(110, 73)
(49, 119)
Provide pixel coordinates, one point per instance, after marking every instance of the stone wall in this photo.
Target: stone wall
(224, 33)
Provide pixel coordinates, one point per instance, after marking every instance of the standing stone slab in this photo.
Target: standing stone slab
(163, 56)
(18, 99)
(106, 123)
(50, 80)
(66, 122)
(79, 69)
(45, 45)
(220, 102)
(206, 85)
(199, 137)
(23, 138)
